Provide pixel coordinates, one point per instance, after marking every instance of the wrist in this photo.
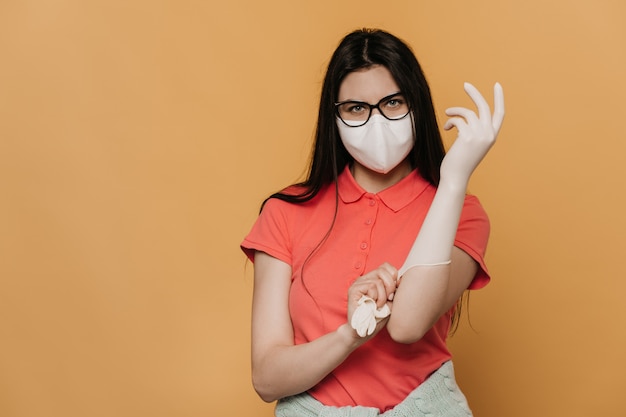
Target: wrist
(451, 184)
(349, 336)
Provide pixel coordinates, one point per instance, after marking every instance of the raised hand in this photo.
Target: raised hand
(477, 134)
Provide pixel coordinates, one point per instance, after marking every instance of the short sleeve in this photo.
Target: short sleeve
(270, 232)
(472, 237)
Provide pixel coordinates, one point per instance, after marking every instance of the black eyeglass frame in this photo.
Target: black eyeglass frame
(371, 107)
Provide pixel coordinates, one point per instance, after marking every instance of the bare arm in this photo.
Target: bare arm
(279, 367)
(429, 286)
(426, 293)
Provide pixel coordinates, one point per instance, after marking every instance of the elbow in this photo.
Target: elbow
(265, 395)
(268, 398)
(404, 334)
(263, 389)
(406, 338)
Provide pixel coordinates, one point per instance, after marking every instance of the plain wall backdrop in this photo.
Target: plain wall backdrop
(138, 139)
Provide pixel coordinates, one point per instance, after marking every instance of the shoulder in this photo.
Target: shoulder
(281, 223)
(474, 219)
(472, 206)
(289, 216)
(281, 202)
(474, 227)
(473, 236)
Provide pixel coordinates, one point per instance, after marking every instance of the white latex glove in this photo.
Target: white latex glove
(477, 134)
(366, 316)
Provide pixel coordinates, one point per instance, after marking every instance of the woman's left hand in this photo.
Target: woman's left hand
(477, 134)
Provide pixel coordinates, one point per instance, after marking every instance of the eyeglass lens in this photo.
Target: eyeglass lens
(355, 113)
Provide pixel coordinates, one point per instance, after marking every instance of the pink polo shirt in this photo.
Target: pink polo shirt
(369, 229)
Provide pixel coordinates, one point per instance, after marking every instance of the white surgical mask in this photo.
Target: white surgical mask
(380, 144)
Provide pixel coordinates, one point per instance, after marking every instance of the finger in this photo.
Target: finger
(373, 288)
(381, 293)
(370, 289)
(479, 100)
(388, 274)
(455, 122)
(362, 288)
(467, 114)
(498, 107)
(391, 284)
(389, 269)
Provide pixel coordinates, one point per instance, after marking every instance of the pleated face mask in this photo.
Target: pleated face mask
(380, 144)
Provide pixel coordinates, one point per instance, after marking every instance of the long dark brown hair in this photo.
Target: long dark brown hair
(359, 50)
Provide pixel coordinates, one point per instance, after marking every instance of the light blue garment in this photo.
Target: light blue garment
(438, 396)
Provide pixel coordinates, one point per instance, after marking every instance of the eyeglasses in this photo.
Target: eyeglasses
(357, 113)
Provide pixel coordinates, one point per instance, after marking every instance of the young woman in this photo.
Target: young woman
(357, 270)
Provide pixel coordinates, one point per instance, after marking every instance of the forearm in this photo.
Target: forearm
(435, 239)
(281, 371)
(418, 303)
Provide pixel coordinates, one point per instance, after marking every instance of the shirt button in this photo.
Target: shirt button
(363, 245)
(357, 265)
(372, 203)
(368, 221)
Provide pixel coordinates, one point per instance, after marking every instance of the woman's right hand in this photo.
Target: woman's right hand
(379, 285)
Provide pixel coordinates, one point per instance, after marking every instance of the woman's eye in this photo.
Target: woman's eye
(357, 108)
(394, 102)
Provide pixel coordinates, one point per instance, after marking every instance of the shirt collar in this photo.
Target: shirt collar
(395, 197)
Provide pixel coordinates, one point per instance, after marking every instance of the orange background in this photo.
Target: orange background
(138, 138)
